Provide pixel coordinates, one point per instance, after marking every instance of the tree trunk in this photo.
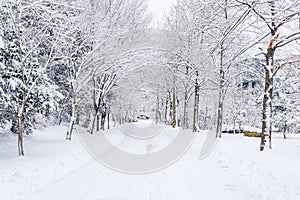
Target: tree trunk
(234, 122)
(103, 116)
(196, 104)
(284, 130)
(267, 101)
(269, 80)
(264, 113)
(20, 121)
(108, 118)
(184, 125)
(267, 111)
(220, 116)
(20, 135)
(60, 116)
(174, 121)
(166, 110)
(98, 122)
(73, 119)
(206, 119)
(271, 113)
(93, 117)
(157, 106)
(221, 103)
(21, 109)
(171, 108)
(221, 95)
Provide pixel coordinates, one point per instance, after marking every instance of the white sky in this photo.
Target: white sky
(159, 8)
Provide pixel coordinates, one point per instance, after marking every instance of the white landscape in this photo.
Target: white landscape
(149, 100)
(60, 170)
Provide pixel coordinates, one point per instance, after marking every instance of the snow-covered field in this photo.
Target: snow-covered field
(58, 170)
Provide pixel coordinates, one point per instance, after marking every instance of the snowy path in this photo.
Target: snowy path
(56, 169)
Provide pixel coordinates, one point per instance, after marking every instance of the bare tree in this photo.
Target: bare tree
(102, 86)
(108, 20)
(275, 16)
(32, 23)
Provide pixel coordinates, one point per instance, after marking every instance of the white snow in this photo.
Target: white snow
(56, 169)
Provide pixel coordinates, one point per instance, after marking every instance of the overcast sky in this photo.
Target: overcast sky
(159, 8)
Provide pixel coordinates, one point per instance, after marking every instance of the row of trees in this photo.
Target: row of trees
(218, 43)
(43, 48)
(87, 62)
(236, 30)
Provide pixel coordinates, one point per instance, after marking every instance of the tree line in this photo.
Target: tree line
(74, 61)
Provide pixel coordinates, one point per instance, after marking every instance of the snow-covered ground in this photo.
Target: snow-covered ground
(58, 170)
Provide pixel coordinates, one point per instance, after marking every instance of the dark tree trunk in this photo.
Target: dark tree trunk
(157, 106)
(73, 119)
(171, 108)
(196, 104)
(271, 112)
(98, 123)
(268, 95)
(166, 110)
(185, 109)
(174, 122)
(264, 114)
(284, 130)
(60, 116)
(108, 118)
(221, 99)
(103, 116)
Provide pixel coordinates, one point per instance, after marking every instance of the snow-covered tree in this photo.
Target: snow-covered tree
(242, 105)
(108, 23)
(219, 30)
(279, 19)
(286, 106)
(26, 53)
(192, 69)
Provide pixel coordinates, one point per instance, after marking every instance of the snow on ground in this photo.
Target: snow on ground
(60, 170)
(48, 158)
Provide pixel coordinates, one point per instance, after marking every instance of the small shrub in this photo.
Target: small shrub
(252, 134)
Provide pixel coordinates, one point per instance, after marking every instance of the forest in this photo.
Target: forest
(226, 64)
